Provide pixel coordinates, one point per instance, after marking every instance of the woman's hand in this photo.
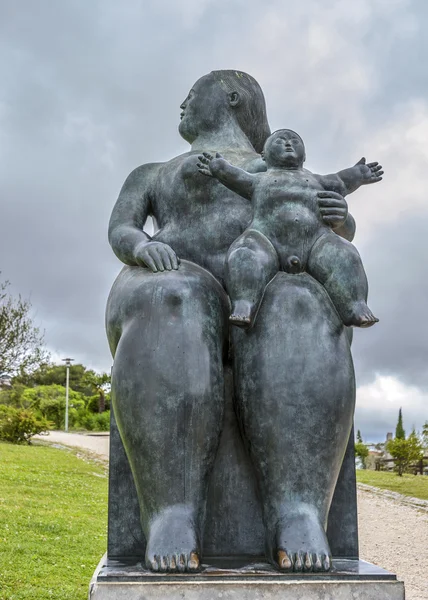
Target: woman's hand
(157, 256)
(333, 208)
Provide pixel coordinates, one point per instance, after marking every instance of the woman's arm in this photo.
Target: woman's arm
(126, 235)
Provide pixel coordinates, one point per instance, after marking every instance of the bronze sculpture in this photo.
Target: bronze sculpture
(167, 324)
(287, 232)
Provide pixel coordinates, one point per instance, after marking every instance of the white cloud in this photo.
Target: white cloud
(378, 404)
(401, 145)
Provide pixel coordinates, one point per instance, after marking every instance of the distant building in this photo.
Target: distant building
(5, 381)
(377, 456)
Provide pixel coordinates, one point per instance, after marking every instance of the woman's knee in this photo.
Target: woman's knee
(154, 297)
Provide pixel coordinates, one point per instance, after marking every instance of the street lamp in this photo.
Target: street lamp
(68, 362)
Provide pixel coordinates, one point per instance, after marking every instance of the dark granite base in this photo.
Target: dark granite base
(251, 578)
(129, 571)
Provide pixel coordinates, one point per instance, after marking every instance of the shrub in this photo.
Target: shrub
(102, 421)
(49, 402)
(93, 422)
(19, 425)
(85, 420)
(362, 452)
(405, 452)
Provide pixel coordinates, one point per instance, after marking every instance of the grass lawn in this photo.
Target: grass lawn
(409, 485)
(53, 522)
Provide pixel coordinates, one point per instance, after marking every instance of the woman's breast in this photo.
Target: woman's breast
(198, 216)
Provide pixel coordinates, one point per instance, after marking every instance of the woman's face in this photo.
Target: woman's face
(203, 109)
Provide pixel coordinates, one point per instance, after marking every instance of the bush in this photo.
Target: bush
(102, 421)
(19, 425)
(93, 422)
(362, 452)
(405, 452)
(49, 402)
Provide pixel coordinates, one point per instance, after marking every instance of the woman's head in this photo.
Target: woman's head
(250, 109)
(234, 92)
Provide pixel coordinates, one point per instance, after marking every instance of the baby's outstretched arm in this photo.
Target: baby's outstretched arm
(347, 181)
(234, 178)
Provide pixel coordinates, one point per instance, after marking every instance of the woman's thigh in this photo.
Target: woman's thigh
(189, 297)
(294, 370)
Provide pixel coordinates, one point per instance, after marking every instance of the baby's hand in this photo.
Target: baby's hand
(370, 173)
(210, 166)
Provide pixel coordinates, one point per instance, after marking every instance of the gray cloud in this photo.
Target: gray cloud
(396, 265)
(92, 89)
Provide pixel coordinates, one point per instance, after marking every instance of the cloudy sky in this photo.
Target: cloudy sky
(90, 90)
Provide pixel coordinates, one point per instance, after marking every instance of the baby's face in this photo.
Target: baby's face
(284, 148)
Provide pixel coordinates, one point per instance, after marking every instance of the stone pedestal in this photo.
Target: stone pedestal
(348, 580)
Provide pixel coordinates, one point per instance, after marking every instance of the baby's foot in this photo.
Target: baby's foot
(361, 316)
(242, 314)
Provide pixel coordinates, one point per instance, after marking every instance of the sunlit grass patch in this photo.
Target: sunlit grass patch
(53, 519)
(409, 485)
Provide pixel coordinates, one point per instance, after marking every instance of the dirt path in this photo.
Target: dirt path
(392, 535)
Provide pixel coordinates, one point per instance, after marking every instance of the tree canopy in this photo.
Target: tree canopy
(404, 451)
(400, 434)
(21, 342)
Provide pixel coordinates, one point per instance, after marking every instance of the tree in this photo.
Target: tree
(425, 434)
(21, 343)
(82, 380)
(102, 384)
(361, 450)
(49, 402)
(400, 434)
(405, 451)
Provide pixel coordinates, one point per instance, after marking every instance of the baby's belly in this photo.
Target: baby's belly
(293, 229)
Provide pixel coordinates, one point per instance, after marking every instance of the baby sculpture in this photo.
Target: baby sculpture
(287, 231)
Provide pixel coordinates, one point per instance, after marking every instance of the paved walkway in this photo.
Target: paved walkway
(96, 442)
(392, 534)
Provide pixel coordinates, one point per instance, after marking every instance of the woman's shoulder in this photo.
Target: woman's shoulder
(255, 164)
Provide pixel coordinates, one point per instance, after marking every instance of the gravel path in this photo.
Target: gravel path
(392, 535)
(395, 536)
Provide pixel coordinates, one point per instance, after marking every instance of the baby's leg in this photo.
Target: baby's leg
(251, 263)
(336, 264)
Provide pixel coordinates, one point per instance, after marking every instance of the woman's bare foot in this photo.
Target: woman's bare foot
(299, 543)
(172, 544)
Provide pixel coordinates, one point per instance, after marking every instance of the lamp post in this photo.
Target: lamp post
(68, 362)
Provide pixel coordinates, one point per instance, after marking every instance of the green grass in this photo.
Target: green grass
(53, 521)
(409, 485)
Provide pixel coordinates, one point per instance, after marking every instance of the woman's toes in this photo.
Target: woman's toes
(284, 561)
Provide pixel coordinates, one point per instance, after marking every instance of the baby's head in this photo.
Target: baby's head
(284, 148)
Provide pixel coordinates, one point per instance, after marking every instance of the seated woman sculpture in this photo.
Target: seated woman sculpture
(288, 233)
(168, 330)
